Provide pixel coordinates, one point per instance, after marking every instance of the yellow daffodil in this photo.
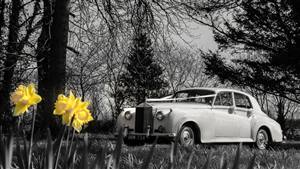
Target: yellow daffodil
(23, 98)
(73, 110)
(80, 119)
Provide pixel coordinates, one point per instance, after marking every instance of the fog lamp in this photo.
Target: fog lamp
(128, 115)
(160, 116)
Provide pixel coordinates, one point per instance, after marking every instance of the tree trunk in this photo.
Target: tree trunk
(10, 63)
(281, 119)
(2, 21)
(43, 118)
(52, 74)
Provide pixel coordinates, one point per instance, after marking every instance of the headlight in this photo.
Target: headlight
(160, 116)
(128, 115)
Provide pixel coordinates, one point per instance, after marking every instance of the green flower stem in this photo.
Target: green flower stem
(19, 123)
(71, 144)
(59, 148)
(31, 138)
(68, 137)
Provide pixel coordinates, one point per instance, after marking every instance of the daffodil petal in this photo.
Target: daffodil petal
(71, 95)
(35, 99)
(60, 107)
(16, 96)
(20, 109)
(77, 125)
(31, 89)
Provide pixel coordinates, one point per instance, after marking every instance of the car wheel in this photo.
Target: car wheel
(187, 136)
(262, 139)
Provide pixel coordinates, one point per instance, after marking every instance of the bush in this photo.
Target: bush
(100, 126)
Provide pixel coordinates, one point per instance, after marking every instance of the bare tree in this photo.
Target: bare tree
(285, 109)
(183, 67)
(20, 29)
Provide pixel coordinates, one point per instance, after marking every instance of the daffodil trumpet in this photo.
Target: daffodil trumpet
(73, 111)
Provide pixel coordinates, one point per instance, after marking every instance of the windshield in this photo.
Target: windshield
(196, 96)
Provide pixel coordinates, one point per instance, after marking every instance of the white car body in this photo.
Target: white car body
(212, 123)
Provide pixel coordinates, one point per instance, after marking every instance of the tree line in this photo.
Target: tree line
(92, 47)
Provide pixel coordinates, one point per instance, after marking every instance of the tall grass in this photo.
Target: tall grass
(70, 152)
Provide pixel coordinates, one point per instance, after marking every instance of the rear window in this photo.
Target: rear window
(242, 101)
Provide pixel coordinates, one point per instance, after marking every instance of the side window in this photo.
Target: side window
(181, 97)
(242, 101)
(224, 99)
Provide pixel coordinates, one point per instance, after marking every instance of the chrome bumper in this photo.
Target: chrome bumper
(131, 134)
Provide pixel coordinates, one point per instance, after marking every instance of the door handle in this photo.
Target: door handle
(231, 110)
(249, 113)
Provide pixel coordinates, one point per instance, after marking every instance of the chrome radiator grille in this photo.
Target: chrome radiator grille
(143, 118)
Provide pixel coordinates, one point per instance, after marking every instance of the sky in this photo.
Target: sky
(200, 36)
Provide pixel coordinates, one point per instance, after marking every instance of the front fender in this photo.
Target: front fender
(204, 124)
(122, 122)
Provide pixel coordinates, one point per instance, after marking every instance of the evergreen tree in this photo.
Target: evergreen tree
(142, 77)
(267, 34)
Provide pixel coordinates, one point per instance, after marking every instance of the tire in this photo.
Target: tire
(187, 136)
(262, 139)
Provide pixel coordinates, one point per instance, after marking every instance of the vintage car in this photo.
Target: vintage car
(201, 115)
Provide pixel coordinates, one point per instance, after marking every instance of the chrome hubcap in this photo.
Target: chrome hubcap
(262, 139)
(187, 136)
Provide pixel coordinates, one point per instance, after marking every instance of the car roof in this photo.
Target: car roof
(217, 90)
(214, 89)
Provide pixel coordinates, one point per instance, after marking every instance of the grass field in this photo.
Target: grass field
(133, 157)
(92, 152)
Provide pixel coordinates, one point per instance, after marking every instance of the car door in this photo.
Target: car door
(225, 120)
(243, 109)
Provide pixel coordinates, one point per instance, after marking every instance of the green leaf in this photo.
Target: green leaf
(70, 157)
(20, 158)
(237, 157)
(207, 163)
(115, 160)
(252, 162)
(6, 146)
(190, 160)
(150, 154)
(100, 160)
(2, 149)
(171, 162)
(84, 157)
(25, 149)
(223, 161)
(57, 146)
(49, 151)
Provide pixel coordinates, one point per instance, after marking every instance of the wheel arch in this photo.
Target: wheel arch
(195, 128)
(267, 129)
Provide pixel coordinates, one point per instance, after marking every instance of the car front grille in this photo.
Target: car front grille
(143, 118)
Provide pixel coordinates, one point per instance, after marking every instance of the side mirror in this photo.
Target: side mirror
(231, 110)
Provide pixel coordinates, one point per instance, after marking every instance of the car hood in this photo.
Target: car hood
(179, 105)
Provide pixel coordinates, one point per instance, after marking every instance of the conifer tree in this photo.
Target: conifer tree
(142, 77)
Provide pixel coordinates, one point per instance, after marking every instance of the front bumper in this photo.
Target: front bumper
(127, 133)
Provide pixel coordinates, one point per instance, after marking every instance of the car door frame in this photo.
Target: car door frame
(244, 117)
(225, 122)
